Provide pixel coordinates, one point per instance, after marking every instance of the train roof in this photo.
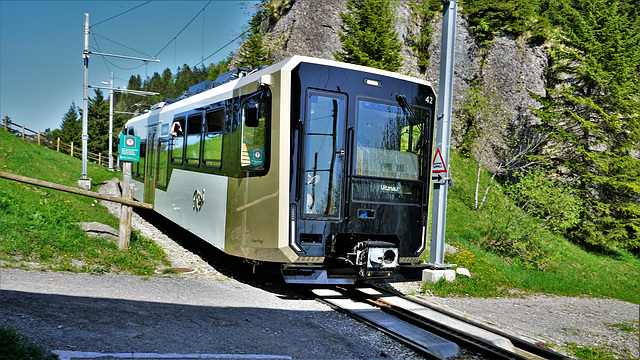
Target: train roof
(201, 94)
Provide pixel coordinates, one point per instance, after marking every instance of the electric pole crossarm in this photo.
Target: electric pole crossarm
(126, 91)
(124, 57)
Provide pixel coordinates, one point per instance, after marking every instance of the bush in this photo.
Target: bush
(15, 346)
(538, 203)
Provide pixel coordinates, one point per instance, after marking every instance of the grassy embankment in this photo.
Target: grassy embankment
(39, 225)
(563, 268)
(549, 264)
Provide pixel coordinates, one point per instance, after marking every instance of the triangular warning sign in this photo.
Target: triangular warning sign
(438, 163)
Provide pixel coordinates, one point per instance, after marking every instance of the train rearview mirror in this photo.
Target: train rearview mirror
(251, 115)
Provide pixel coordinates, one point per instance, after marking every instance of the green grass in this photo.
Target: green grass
(563, 268)
(39, 225)
(15, 346)
(589, 352)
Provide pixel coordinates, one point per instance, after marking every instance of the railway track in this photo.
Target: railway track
(432, 332)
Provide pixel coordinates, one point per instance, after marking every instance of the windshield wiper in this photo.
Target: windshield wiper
(404, 104)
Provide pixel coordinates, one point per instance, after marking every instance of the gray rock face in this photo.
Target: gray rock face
(510, 69)
(309, 28)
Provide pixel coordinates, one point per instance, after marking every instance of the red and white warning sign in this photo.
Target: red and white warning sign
(438, 163)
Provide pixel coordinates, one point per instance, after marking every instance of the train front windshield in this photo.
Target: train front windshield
(389, 151)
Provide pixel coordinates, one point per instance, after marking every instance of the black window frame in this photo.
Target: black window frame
(213, 163)
(174, 141)
(189, 131)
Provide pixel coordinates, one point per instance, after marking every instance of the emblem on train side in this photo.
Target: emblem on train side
(198, 200)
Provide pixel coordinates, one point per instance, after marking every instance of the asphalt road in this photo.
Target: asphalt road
(121, 314)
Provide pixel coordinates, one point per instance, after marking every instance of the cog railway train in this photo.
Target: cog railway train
(318, 166)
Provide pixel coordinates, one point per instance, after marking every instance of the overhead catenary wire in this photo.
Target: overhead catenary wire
(117, 43)
(224, 46)
(122, 13)
(109, 64)
(183, 29)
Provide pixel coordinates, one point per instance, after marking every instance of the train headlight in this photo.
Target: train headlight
(382, 258)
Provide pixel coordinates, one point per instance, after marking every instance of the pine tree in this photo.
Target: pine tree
(135, 83)
(592, 116)
(216, 69)
(487, 18)
(253, 52)
(184, 79)
(168, 85)
(98, 123)
(368, 35)
(71, 126)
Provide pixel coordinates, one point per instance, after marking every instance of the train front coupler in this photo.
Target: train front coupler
(376, 259)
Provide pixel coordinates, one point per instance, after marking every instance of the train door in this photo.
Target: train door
(324, 159)
(150, 166)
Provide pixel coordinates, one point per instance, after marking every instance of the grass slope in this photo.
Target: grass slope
(40, 225)
(566, 269)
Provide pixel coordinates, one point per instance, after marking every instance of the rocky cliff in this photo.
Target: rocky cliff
(508, 68)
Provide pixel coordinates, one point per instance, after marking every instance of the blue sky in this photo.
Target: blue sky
(41, 44)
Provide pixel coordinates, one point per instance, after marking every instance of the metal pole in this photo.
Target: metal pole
(111, 125)
(85, 97)
(443, 133)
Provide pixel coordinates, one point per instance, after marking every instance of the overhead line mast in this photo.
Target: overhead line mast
(442, 183)
(84, 181)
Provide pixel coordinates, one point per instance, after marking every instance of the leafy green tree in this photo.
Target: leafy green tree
(592, 116)
(536, 202)
(71, 126)
(368, 35)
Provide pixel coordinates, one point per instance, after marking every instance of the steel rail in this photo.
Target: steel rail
(519, 343)
(467, 341)
(410, 343)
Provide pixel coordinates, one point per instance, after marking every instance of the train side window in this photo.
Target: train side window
(256, 115)
(177, 142)
(194, 134)
(137, 169)
(163, 169)
(212, 152)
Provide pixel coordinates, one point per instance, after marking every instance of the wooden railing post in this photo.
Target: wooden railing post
(38, 137)
(22, 131)
(99, 158)
(58, 146)
(72, 149)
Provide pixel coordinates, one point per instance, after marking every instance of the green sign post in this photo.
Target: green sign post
(129, 149)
